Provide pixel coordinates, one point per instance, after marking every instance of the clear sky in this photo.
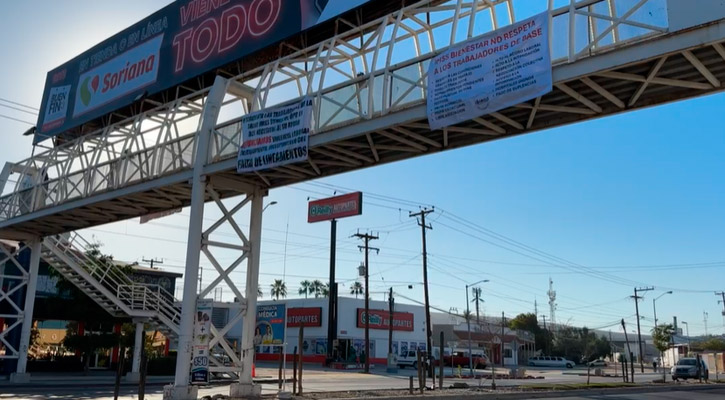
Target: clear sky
(637, 198)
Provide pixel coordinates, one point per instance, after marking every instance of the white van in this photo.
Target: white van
(550, 361)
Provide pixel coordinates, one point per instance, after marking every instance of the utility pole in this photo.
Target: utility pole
(546, 343)
(332, 300)
(636, 298)
(626, 339)
(391, 306)
(503, 322)
(428, 330)
(152, 261)
(723, 305)
(367, 238)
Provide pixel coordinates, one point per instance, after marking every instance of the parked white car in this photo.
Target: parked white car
(597, 363)
(550, 361)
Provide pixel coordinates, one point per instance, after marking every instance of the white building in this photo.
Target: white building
(408, 327)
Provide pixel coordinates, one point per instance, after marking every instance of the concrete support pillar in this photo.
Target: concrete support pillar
(246, 388)
(135, 374)
(21, 376)
(181, 389)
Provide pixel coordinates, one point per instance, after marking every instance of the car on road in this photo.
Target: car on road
(686, 368)
(550, 361)
(597, 363)
(409, 359)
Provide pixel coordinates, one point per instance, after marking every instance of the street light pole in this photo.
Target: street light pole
(468, 320)
(688, 335)
(654, 305)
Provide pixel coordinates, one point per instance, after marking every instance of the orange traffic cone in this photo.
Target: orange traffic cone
(254, 372)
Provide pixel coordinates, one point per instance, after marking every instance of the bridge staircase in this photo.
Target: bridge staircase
(109, 286)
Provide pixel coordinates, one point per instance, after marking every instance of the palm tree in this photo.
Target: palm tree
(279, 289)
(317, 288)
(356, 289)
(305, 288)
(259, 292)
(325, 290)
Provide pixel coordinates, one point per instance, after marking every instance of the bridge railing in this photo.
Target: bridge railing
(363, 72)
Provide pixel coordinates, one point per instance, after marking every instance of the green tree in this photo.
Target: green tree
(357, 289)
(580, 344)
(278, 289)
(711, 343)
(305, 288)
(528, 322)
(662, 337)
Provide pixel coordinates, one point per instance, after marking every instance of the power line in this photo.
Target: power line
(18, 104)
(16, 119)
(18, 109)
(527, 251)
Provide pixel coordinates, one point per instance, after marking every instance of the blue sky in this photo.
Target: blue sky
(638, 196)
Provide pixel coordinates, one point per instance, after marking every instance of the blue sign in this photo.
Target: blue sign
(271, 322)
(180, 42)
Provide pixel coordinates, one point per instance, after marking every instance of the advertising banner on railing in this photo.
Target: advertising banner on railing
(202, 337)
(275, 136)
(270, 325)
(182, 41)
(490, 72)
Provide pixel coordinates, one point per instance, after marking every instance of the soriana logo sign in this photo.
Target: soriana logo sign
(128, 72)
(330, 208)
(379, 319)
(307, 316)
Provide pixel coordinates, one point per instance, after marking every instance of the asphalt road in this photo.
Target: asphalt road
(155, 394)
(715, 394)
(315, 380)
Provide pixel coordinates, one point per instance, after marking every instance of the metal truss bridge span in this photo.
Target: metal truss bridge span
(369, 87)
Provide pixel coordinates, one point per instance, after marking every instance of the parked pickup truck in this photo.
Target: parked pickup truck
(461, 358)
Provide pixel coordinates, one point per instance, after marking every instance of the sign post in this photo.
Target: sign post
(330, 209)
(202, 336)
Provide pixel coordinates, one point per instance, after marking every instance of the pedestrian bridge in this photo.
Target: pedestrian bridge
(368, 82)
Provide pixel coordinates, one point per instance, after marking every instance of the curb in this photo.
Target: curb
(550, 394)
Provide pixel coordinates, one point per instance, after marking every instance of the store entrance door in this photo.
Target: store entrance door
(345, 351)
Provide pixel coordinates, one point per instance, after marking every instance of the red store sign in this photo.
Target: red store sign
(307, 316)
(331, 208)
(402, 321)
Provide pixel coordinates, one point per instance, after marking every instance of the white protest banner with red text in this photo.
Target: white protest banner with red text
(491, 72)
